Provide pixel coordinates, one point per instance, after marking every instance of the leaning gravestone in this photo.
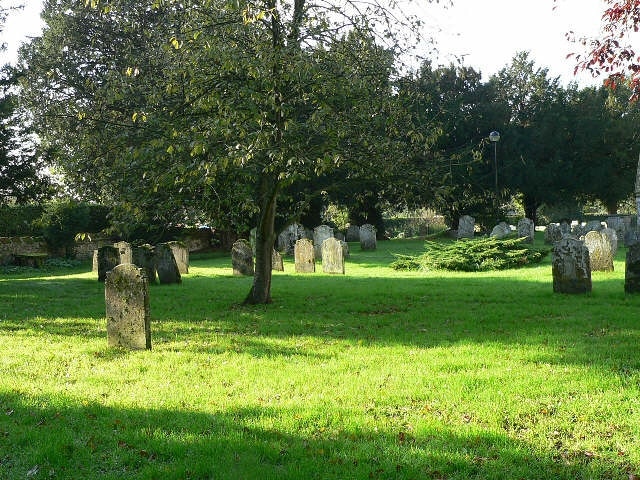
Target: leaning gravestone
(126, 295)
(526, 229)
(332, 256)
(466, 227)
(276, 261)
(368, 237)
(304, 256)
(124, 250)
(353, 233)
(143, 256)
(502, 230)
(108, 258)
(632, 270)
(242, 258)
(320, 234)
(166, 265)
(181, 254)
(600, 258)
(570, 267)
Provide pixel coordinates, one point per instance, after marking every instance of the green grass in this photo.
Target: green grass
(375, 374)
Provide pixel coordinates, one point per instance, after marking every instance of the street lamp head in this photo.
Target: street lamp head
(494, 136)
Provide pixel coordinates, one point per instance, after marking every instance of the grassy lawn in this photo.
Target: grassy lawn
(375, 374)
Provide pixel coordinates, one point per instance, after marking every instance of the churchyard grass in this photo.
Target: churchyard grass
(374, 374)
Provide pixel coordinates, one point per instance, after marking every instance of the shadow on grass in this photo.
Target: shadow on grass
(62, 438)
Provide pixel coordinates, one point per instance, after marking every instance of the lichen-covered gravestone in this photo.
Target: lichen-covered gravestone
(599, 246)
(181, 254)
(632, 270)
(276, 261)
(368, 237)
(526, 229)
(242, 258)
(124, 250)
(108, 259)
(320, 234)
(332, 256)
(570, 267)
(143, 256)
(126, 295)
(466, 227)
(304, 256)
(166, 265)
(552, 233)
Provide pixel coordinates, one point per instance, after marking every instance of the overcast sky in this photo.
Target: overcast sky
(486, 33)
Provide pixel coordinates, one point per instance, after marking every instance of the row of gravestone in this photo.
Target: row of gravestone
(332, 252)
(366, 235)
(165, 261)
(525, 229)
(622, 225)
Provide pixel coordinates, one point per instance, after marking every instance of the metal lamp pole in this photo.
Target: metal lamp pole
(494, 137)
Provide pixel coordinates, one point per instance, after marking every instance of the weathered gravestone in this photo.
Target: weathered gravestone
(552, 233)
(304, 256)
(501, 230)
(242, 258)
(526, 229)
(632, 270)
(353, 233)
(94, 267)
(612, 237)
(143, 256)
(616, 223)
(591, 226)
(126, 295)
(565, 228)
(166, 265)
(600, 258)
(124, 250)
(466, 227)
(368, 237)
(288, 238)
(320, 234)
(332, 256)
(345, 249)
(570, 267)
(276, 261)
(108, 258)
(181, 254)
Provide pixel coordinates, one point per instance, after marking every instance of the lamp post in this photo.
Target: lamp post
(494, 137)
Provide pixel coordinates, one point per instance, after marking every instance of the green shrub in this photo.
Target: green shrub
(473, 255)
(20, 220)
(61, 221)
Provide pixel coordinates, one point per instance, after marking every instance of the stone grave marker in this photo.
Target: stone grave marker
(368, 237)
(501, 230)
(345, 249)
(126, 295)
(276, 261)
(552, 233)
(570, 266)
(143, 256)
(526, 229)
(320, 234)
(242, 258)
(632, 270)
(600, 258)
(304, 256)
(466, 227)
(593, 225)
(124, 250)
(288, 238)
(108, 258)
(612, 237)
(332, 256)
(181, 254)
(166, 265)
(353, 233)
(616, 223)
(94, 266)
(565, 228)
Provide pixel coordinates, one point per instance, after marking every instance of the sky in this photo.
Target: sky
(485, 33)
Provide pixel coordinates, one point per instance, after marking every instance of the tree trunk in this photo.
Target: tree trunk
(530, 207)
(612, 207)
(260, 292)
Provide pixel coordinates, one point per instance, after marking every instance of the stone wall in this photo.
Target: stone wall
(10, 246)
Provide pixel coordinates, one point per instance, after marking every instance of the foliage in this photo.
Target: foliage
(20, 220)
(473, 255)
(62, 220)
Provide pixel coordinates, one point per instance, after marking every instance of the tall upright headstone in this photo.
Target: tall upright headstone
(599, 246)
(143, 256)
(368, 239)
(166, 265)
(320, 234)
(126, 295)
(466, 226)
(108, 258)
(632, 270)
(242, 258)
(332, 256)
(304, 256)
(526, 229)
(570, 266)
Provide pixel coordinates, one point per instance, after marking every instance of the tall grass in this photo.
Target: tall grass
(374, 374)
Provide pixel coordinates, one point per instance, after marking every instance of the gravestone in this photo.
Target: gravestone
(612, 237)
(108, 258)
(304, 256)
(577, 229)
(94, 266)
(345, 249)
(570, 266)
(276, 261)
(632, 270)
(353, 233)
(339, 236)
(181, 254)
(616, 223)
(600, 258)
(288, 238)
(166, 265)
(124, 250)
(368, 237)
(565, 228)
(526, 229)
(552, 233)
(501, 230)
(242, 258)
(332, 257)
(143, 256)
(320, 234)
(591, 226)
(466, 227)
(126, 295)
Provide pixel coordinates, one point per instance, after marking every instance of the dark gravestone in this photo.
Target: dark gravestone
(570, 267)
(143, 256)
(242, 258)
(304, 256)
(126, 295)
(353, 233)
(632, 270)
(108, 258)
(166, 265)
